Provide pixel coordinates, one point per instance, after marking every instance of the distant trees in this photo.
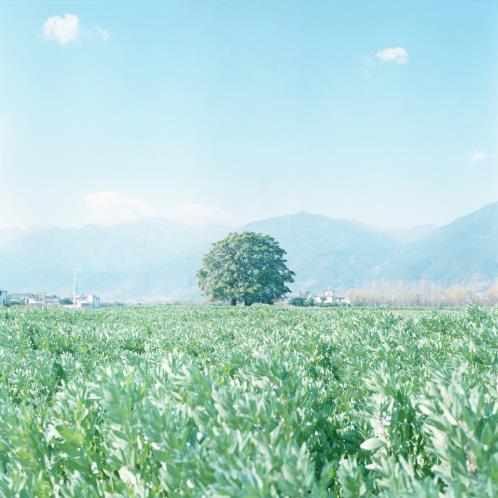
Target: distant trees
(246, 268)
(420, 294)
(300, 301)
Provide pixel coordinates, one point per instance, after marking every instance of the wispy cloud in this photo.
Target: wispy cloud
(62, 29)
(12, 226)
(108, 207)
(393, 54)
(478, 157)
(67, 29)
(103, 33)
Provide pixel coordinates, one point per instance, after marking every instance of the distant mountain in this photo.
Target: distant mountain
(329, 253)
(464, 252)
(12, 232)
(144, 259)
(157, 259)
(411, 234)
(8, 233)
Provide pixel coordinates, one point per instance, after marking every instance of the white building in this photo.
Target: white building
(343, 301)
(42, 300)
(52, 300)
(330, 297)
(3, 298)
(86, 301)
(36, 300)
(327, 297)
(19, 297)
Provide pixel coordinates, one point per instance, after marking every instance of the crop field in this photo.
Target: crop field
(196, 401)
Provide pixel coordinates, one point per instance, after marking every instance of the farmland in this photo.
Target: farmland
(200, 401)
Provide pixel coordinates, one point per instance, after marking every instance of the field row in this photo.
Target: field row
(260, 402)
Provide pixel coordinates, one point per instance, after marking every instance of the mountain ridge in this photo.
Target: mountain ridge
(462, 252)
(157, 259)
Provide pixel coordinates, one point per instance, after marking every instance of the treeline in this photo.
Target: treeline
(420, 294)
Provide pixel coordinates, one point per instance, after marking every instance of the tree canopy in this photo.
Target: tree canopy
(246, 267)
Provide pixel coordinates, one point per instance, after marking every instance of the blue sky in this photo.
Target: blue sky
(226, 112)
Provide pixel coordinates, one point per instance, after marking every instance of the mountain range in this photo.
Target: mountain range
(156, 259)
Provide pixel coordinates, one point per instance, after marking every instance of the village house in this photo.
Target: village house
(329, 297)
(19, 297)
(86, 301)
(42, 300)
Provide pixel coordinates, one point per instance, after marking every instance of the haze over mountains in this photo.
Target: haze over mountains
(157, 259)
(12, 232)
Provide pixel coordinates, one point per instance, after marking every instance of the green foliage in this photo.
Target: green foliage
(297, 301)
(245, 267)
(248, 402)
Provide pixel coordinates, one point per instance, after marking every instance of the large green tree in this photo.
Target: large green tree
(247, 268)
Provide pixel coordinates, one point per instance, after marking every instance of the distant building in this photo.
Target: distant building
(52, 300)
(329, 297)
(42, 300)
(3, 298)
(342, 301)
(19, 297)
(86, 301)
(36, 300)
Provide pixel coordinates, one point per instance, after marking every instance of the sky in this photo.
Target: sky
(224, 112)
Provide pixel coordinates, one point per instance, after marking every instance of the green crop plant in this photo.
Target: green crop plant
(199, 401)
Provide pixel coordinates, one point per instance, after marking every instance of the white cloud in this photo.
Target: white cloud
(67, 29)
(107, 208)
(393, 54)
(62, 29)
(478, 157)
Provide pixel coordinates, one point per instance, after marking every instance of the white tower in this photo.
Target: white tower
(75, 288)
